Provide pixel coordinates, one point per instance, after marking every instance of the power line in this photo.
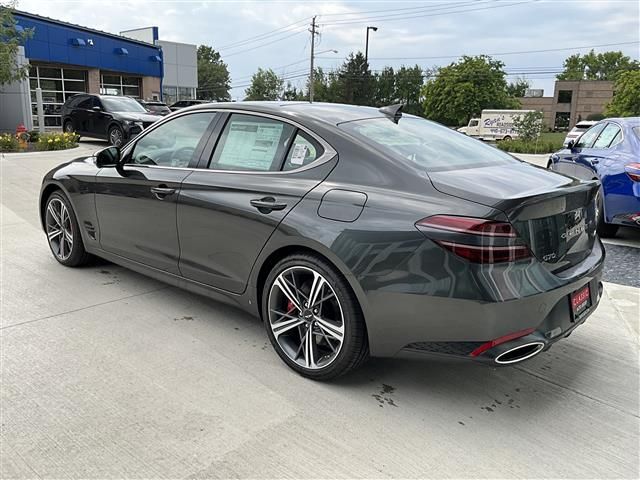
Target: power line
(385, 10)
(263, 35)
(506, 53)
(333, 24)
(263, 45)
(442, 6)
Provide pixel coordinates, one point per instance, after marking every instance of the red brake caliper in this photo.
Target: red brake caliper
(290, 306)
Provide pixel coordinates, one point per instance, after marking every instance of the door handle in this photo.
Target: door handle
(162, 191)
(267, 204)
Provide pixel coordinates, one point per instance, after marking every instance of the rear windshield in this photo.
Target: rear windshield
(429, 145)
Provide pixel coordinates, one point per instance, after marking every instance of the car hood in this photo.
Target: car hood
(137, 117)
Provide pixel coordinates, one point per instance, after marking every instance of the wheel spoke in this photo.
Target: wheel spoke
(309, 349)
(329, 328)
(68, 237)
(61, 250)
(316, 289)
(53, 233)
(286, 325)
(284, 288)
(54, 214)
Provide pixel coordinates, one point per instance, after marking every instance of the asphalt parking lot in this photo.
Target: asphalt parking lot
(108, 374)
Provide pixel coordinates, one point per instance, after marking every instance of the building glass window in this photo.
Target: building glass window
(57, 84)
(564, 96)
(169, 94)
(120, 85)
(562, 120)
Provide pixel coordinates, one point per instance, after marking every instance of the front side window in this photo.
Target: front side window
(608, 136)
(588, 137)
(174, 143)
(251, 143)
(427, 145)
(86, 103)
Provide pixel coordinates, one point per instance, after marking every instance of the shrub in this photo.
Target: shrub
(526, 146)
(8, 142)
(34, 135)
(58, 141)
(529, 125)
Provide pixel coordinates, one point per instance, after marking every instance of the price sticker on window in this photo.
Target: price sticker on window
(299, 153)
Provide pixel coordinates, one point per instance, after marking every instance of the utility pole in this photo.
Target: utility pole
(313, 44)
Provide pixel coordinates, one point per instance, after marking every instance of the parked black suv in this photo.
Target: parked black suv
(114, 118)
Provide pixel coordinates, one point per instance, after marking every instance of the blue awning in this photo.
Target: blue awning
(155, 58)
(78, 42)
(121, 51)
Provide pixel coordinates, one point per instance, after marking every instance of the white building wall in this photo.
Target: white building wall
(15, 101)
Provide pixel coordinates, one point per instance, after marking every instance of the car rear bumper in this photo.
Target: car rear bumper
(458, 326)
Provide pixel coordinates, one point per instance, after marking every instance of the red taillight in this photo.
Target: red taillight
(506, 338)
(487, 253)
(473, 226)
(633, 171)
(478, 240)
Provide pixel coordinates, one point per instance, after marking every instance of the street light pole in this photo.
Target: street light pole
(366, 45)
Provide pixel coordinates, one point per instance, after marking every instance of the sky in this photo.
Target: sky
(274, 34)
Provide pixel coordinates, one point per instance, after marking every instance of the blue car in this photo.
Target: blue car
(610, 152)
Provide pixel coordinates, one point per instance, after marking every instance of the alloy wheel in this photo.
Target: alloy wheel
(115, 137)
(59, 229)
(306, 317)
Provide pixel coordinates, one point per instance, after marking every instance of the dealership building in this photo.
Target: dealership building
(66, 59)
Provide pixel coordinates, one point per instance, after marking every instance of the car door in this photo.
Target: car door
(136, 201)
(99, 119)
(565, 160)
(80, 114)
(260, 169)
(588, 161)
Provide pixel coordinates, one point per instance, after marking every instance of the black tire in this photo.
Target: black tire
(605, 230)
(507, 138)
(115, 136)
(354, 349)
(78, 256)
(68, 128)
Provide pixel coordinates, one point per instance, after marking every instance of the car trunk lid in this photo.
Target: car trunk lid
(554, 214)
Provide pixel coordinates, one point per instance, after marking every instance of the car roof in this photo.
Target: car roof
(332, 113)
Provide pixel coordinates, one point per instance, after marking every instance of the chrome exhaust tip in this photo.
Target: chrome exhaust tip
(519, 353)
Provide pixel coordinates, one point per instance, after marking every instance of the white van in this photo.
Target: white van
(493, 125)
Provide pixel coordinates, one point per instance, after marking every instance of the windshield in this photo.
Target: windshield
(122, 104)
(431, 146)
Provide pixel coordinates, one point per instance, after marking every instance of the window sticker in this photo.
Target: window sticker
(251, 145)
(299, 154)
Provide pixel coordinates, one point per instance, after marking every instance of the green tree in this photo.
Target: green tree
(596, 66)
(529, 126)
(12, 38)
(518, 88)
(292, 93)
(265, 85)
(214, 81)
(384, 91)
(626, 96)
(463, 89)
(355, 81)
(409, 81)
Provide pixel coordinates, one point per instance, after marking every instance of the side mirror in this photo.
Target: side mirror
(97, 108)
(108, 157)
(571, 144)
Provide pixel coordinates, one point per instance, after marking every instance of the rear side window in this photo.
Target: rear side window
(609, 135)
(426, 144)
(252, 143)
(588, 137)
(303, 151)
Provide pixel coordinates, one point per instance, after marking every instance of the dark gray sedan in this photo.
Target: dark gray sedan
(350, 231)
